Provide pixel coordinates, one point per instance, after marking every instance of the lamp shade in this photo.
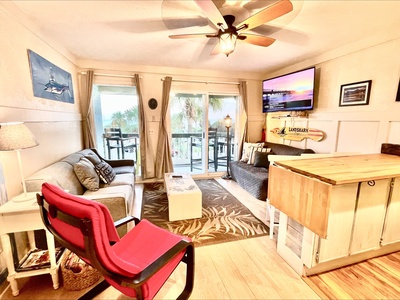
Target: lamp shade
(228, 121)
(16, 136)
(227, 42)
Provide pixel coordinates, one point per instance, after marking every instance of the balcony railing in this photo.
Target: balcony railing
(186, 151)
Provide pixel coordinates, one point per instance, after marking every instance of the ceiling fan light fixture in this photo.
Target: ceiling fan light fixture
(227, 41)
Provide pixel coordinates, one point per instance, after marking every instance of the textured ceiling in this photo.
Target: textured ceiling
(136, 32)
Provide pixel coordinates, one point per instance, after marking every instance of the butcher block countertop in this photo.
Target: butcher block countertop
(346, 169)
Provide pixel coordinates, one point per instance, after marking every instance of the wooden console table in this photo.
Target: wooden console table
(348, 205)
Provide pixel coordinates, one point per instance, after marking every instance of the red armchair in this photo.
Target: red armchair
(137, 265)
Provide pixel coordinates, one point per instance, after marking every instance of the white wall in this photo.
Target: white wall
(56, 125)
(354, 128)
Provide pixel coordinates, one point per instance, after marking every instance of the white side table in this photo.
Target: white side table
(20, 217)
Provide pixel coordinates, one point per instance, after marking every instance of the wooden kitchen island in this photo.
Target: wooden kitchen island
(336, 210)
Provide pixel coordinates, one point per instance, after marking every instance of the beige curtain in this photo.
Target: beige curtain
(164, 159)
(89, 132)
(243, 98)
(143, 137)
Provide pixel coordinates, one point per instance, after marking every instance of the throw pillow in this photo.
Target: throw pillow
(261, 159)
(93, 158)
(86, 174)
(247, 150)
(105, 171)
(253, 151)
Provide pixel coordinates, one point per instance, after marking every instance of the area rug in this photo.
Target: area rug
(224, 218)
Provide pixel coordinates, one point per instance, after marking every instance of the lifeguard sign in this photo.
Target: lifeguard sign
(298, 133)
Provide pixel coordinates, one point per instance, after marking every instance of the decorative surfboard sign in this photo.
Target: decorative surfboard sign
(298, 133)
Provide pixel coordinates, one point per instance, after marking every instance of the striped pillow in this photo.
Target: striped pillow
(247, 150)
(254, 150)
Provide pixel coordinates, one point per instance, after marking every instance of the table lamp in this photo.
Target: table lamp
(14, 137)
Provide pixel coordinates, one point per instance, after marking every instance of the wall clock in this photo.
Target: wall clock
(153, 103)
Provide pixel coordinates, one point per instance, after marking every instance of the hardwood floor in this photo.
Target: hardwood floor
(376, 278)
(248, 269)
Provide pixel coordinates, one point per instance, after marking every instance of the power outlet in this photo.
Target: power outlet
(151, 131)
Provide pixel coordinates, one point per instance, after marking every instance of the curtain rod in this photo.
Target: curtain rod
(199, 81)
(112, 75)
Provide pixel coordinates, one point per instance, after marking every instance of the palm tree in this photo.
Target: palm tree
(118, 120)
(190, 114)
(127, 121)
(132, 119)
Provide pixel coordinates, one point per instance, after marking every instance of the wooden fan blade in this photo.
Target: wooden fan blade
(267, 14)
(258, 40)
(212, 12)
(189, 35)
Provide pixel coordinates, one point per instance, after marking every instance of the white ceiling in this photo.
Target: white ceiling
(136, 32)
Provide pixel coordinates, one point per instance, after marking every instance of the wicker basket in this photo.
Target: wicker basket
(77, 275)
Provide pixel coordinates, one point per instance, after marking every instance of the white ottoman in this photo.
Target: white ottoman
(184, 197)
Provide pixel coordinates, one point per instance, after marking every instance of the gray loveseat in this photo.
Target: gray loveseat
(254, 177)
(78, 176)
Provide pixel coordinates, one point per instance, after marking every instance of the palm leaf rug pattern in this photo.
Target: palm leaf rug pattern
(224, 218)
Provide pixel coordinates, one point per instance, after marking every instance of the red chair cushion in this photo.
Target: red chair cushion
(143, 245)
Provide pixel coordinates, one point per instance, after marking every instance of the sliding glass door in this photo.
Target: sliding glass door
(187, 129)
(116, 121)
(199, 135)
(221, 146)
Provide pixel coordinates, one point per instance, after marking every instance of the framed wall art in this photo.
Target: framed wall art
(50, 81)
(355, 93)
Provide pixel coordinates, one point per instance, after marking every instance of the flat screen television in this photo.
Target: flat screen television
(290, 92)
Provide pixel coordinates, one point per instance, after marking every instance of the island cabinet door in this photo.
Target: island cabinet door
(391, 232)
(369, 215)
(341, 216)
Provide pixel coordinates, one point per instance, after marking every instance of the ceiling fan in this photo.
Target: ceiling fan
(228, 33)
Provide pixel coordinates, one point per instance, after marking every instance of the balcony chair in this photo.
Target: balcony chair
(196, 142)
(137, 265)
(122, 142)
(223, 150)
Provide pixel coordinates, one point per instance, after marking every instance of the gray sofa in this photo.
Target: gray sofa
(254, 177)
(118, 195)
